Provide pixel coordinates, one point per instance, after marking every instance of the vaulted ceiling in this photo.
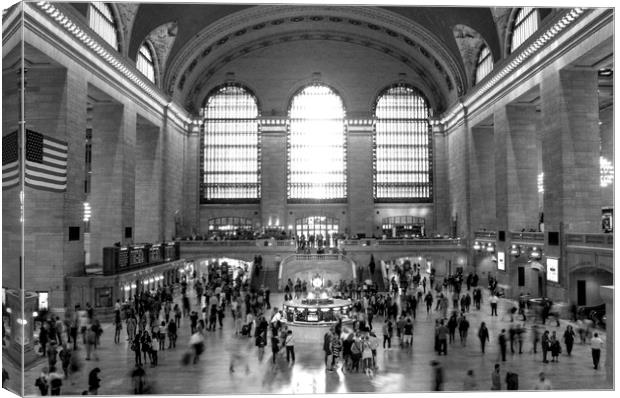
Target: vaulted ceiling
(438, 46)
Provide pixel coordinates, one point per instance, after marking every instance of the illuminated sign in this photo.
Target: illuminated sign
(501, 261)
(552, 269)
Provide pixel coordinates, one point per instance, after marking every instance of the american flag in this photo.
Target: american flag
(10, 160)
(46, 162)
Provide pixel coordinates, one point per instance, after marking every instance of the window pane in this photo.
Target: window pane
(484, 65)
(144, 63)
(403, 146)
(526, 23)
(100, 19)
(230, 160)
(316, 161)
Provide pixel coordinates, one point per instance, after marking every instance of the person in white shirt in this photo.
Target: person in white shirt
(493, 301)
(289, 342)
(596, 343)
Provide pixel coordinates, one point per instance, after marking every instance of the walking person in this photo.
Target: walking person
(437, 376)
(289, 342)
(496, 380)
(483, 335)
(470, 384)
(55, 379)
(569, 339)
(502, 344)
(463, 328)
(493, 300)
(387, 333)
(595, 344)
(172, 334)
(555, 347)
(545, 343)
(118, 326)
(452, 325)
(94, 382)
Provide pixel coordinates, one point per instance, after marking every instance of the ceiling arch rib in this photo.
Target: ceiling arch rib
(214, 61)
(376, 26)
(469, 42)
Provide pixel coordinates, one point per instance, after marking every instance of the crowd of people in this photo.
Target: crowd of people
(152, 320)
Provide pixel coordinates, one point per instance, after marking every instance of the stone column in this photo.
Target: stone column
(360, 196)
(273, 202)
(441, 186)
(113, 176)
(571, 150)
(516, 167)
(482, 179)
(148, 191)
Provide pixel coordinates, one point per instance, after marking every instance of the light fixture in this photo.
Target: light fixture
(536, 254)
(87, 212)
(477, 245)
(35, 314)
(490, 248)
(133, 286)
(515, 251)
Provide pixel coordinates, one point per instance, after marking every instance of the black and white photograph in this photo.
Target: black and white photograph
(235, 198)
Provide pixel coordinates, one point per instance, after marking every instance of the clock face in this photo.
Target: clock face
(317, 282)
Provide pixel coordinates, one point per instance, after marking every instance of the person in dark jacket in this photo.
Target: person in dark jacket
(94, 381)
(483, 335)
(569, 339)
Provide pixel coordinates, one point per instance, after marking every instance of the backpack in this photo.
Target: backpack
(355, 348)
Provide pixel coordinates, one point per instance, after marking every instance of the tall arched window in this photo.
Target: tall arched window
(403, 143)
(101, 20)
(484, 66)
(230, 146)
(316, 143)
(145, 62)
(526, 23)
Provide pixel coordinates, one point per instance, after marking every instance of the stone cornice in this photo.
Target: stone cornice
(92, 44)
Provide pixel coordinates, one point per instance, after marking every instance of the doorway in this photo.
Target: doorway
(581, 292)
(326, 227)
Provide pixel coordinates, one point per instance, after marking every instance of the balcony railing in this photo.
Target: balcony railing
(528, 236)
(240, 243)
(485, 235)
(403, 242)
(594, 240)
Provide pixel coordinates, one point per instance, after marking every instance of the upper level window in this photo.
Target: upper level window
(526, 23)
(230, 162)
(145, 63)
(101, 20)
(484, 66)
(316, 144)
(403, 142)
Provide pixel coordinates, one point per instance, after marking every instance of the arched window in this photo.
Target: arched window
(101, 20)
(403, 142)
(526, 23)
(484, 66)
(230, 162)
(145, 63)
(316, 143)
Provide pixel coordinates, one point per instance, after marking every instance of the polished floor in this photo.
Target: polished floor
(399, 370)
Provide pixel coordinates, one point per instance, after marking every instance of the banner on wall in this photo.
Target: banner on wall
(501, 261)
(552, 269)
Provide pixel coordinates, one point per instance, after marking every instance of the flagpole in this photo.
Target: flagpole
(22, 161)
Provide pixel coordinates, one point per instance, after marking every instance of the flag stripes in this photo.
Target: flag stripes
(10, 160)
(46, 162)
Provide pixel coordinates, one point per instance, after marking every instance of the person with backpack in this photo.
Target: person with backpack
(55, 381)
(42, 382)
(172, 334)
(356, 353)
(463, 328)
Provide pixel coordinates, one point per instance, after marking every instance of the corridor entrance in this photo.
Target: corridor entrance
(318, 227)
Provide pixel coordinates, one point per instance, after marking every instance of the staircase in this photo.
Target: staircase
(267, 277)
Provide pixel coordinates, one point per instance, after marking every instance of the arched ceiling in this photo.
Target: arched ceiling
(211, 35)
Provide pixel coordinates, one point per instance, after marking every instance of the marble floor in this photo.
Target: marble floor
(399, 370)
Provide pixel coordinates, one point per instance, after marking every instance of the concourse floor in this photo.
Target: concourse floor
(399, 370)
